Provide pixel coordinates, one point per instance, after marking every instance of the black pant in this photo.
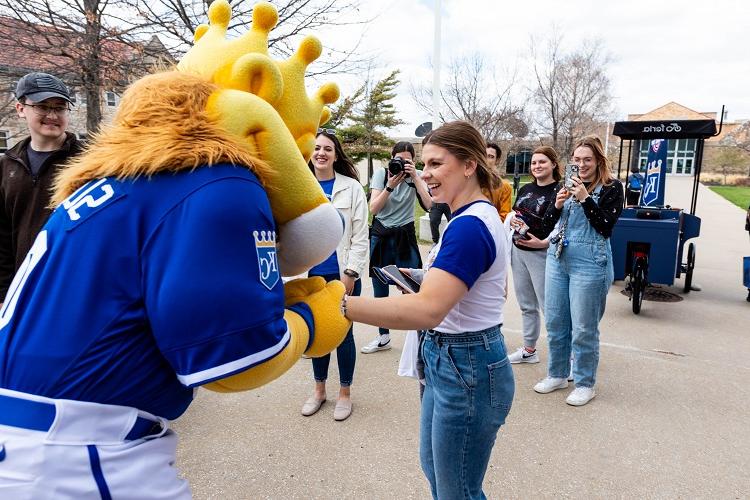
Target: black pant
(436, 214)
(632, 197)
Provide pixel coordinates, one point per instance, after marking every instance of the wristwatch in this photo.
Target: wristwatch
(351, 274)
(389, 189)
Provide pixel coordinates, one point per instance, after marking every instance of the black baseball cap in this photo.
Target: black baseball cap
(41, 86)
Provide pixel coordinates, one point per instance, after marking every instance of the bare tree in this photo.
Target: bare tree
(98, 45)
(732, 160)
(176, 21)
(82, 42)
(739, 137)
(473, 93)
(7, 107)
(572, 90)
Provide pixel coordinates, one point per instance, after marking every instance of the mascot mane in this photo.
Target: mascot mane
(162, 125)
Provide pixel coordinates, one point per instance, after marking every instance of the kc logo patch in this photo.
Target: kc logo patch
(265, 247)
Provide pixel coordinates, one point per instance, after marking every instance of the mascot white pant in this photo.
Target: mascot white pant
(66, 449)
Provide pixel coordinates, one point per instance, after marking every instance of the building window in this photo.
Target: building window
(680, 155)
(111, 99)
(4, 137)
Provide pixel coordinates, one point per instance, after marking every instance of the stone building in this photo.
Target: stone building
(22, 55)
(681, 154)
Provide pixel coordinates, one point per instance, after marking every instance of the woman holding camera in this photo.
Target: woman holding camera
(339, 179)
(528, 255)
(393, 238)
(579, 270)
(468, 380)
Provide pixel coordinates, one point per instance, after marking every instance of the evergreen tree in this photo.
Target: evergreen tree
(369, 117)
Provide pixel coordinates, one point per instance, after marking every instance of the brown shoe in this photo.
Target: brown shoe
(311, 406)
(342, 410)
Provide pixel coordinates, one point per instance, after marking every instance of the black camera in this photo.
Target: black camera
(396, 165)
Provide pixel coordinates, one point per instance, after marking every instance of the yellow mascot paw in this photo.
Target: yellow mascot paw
(324, 300)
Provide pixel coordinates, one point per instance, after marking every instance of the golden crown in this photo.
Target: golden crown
(243, 64)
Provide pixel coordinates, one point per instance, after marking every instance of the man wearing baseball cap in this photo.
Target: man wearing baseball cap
(27, 170)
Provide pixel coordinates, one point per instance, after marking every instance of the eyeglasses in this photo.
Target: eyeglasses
(328, 131)
(44, 110)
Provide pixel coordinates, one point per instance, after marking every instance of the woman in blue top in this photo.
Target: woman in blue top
(469, 383)
(339, 179)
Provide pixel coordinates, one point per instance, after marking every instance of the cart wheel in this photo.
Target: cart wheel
(638, 284)
(689, 270)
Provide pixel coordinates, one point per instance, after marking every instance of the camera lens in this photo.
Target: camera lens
(396, 165)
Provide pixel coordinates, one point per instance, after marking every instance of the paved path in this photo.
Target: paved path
(670, 420)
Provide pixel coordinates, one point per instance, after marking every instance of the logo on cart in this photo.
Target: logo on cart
(268, 267)
(653, 190)
(662, 127)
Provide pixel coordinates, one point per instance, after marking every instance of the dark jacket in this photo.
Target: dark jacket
(23, 202)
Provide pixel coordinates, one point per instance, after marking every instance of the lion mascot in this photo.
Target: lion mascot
(160, 270)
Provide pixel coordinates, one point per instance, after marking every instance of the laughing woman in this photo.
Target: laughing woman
(579, 271)
(528, 254)
(469, 382)
(338, 178)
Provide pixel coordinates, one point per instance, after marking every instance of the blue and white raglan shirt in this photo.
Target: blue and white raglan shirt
(137, 291)
(473, 248)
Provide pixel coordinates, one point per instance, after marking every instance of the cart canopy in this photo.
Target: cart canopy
(667, 129)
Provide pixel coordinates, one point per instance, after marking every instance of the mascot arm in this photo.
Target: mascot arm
(316, 327)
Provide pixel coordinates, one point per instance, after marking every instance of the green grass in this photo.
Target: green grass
(739, 195)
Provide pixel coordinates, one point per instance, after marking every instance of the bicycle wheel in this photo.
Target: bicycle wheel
(690, 267)
(638, 284)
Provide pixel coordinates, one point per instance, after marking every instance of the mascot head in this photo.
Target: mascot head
(228, 100)
(243, 64)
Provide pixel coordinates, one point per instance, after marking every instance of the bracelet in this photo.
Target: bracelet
(351, 274)
(343, 305)
(389, 189)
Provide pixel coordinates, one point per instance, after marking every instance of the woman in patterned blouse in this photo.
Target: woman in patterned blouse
(579, 270)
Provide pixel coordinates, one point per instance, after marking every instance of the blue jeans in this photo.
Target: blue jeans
(380, 289)
(346, 352)
(575, 295)
(468, 394)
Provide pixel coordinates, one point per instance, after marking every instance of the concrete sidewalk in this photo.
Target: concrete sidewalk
(670, 419)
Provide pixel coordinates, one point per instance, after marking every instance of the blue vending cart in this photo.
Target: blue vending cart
(648, 242)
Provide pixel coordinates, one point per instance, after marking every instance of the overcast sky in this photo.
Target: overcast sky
(694, 53)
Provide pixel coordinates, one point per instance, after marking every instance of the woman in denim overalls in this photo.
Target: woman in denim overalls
(468, 380)
(579, 271)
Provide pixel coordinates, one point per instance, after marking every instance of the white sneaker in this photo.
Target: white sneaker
(523, 356)
(376, 346)
(580, 396)
(549, 384)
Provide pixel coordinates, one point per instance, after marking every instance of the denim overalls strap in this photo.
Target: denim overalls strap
(575, 225)
(579, 227)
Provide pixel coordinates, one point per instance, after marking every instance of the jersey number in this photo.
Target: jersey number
(27, 266)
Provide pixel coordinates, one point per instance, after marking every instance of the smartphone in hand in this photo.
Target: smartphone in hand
(392, 276)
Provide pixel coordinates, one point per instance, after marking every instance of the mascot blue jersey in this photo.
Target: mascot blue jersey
(136, 291)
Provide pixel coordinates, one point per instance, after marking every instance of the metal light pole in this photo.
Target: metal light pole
(436, 67)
